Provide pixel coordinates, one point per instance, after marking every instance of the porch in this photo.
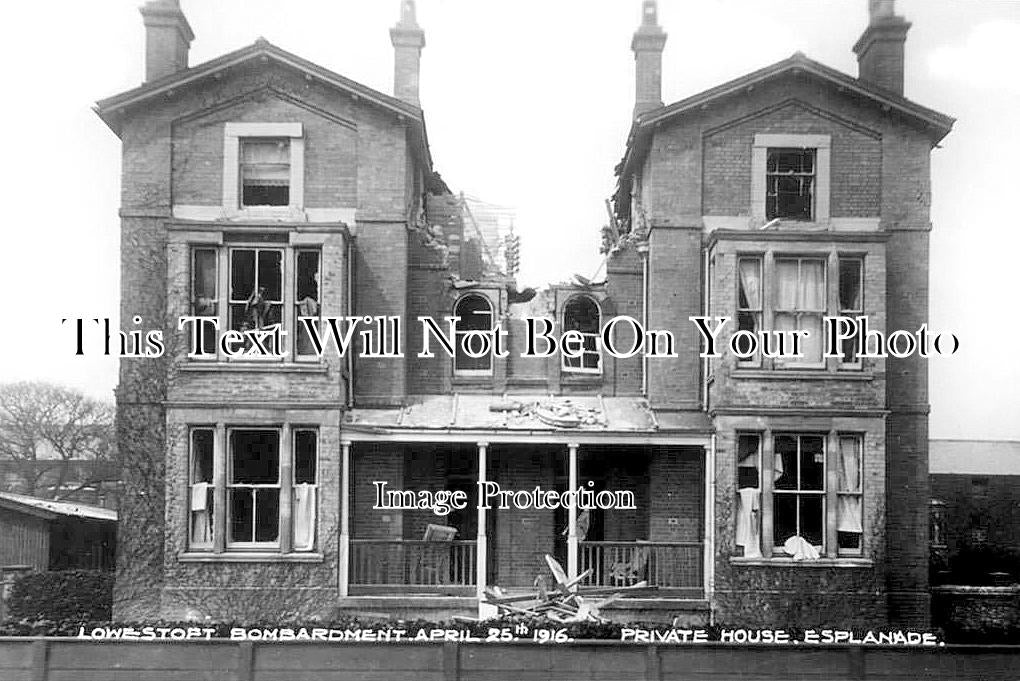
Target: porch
(396, 556)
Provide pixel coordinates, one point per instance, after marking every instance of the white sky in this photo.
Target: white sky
(528, 105)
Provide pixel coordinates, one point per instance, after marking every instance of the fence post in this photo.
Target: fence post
(653, 664)
(451, 661)
(245, 661)
(40, 653)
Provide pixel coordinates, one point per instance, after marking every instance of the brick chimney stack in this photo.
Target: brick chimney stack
(408, 39)
(167, 38)
(880, 48)
(647, 45)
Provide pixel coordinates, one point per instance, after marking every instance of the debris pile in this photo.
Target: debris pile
(564, 602)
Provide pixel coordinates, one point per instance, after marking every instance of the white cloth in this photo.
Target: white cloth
(748, 526)
(199, 495)
(800, 548)
(304, 517)
(848, 515)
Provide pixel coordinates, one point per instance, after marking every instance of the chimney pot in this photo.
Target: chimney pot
(168, 37)
(881, 48)
(647, 45)
(408, 40)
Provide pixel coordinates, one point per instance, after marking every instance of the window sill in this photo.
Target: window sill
(230, 557)
(257, 366)
(802, 374)
(780, 561)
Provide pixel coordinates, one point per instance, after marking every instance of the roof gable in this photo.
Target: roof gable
(112, 109)
(936, 124)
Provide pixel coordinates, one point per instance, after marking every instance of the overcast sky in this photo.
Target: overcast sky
(527, 105)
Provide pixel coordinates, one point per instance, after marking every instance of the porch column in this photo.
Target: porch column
(572, 514)
(345, 517)
(481, 541)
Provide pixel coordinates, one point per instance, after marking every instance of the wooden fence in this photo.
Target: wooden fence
(55, 659)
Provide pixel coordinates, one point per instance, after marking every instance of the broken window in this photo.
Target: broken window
(582, 314)
(253, 487)
(265, 172)
(474, 313)
(306, 298)
(749, 300)
(799, 493)
(256, 289)
(789, 184)
(849, 495)
(304, 489)
(800, 305)
(204, 294)
(200, 486)
(851, 304)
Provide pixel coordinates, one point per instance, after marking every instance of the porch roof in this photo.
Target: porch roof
(574, 417)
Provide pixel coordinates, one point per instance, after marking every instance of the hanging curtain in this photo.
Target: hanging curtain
(848, 517)
(786, 285)
(201, 513)
(750, 283)
(749, 521)
(812, 285)
(304, 517)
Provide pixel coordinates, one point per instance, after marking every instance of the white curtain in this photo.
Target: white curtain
(749, 521)
(812, 285)
(201, 513)
(750, 282)
(786, 285)
(304, 517)
(848, 516)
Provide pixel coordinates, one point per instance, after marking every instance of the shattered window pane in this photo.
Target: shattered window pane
(790, 177)
(582, 314)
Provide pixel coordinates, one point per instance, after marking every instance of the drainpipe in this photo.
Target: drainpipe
(706, 299)
(710, 529)
(642, 250)
(349, 305)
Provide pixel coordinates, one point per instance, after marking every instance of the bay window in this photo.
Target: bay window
(266, 478)
(256, 292)
(787, 503)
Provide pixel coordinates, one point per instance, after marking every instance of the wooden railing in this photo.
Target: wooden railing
(412, 562)
(676, 565)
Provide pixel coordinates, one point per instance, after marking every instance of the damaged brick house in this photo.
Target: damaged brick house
(260, 189)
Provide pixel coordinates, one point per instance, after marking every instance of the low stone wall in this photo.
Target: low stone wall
(978, 613)
(26, 659)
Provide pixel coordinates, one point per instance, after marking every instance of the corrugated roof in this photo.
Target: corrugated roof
(974, 457)
(64, 508)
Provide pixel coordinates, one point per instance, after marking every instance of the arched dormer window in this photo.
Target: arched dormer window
(474, 313)
(582, 314)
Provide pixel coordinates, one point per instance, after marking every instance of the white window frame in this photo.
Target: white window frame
(597, 352)
(821, 144)
(233, 133)
(220, 541)
(289, 313)
(473, 373)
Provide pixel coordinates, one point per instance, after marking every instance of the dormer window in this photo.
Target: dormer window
(582, 315)
(265, 172)
(474, 320)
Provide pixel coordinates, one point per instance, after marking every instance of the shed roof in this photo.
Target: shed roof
(50, 509)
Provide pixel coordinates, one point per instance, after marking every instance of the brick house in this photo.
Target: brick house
(260, 189)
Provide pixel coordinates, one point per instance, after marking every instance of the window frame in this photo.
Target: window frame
(233, 134)
(830, 493)
(289, 306)
(858, 362)
(232, 486)
(759, 312)
(472, 373)
(799, 492)
(221, 543)
(597, 337)
(822, 146)
(797, 313)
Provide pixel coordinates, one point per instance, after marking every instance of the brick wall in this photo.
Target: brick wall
(675, 504)
(523, 537)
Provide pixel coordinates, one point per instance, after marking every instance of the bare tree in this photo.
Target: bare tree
(58, 439)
